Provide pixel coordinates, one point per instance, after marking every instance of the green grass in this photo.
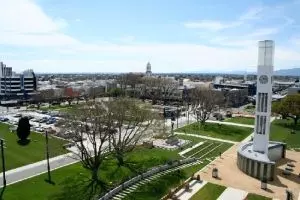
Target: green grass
(281, 131)
(161, 186)
(257, 197)
(17, 155)
(215, 130)
(241, 120)
(209, 192)
(203, 147)
(71, 182)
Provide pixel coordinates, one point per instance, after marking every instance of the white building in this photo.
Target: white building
(16, 86)
(148, 69)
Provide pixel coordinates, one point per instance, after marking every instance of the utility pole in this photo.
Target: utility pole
(177, 114)
(3, 161)
(47, 154)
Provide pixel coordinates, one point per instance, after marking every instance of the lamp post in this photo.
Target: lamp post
(177, 115)
(3, 161)
(47, 155)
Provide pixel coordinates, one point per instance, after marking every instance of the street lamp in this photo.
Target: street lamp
(3, 161)
(47, 155)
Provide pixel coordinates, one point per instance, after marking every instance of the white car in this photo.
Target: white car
(39, 129)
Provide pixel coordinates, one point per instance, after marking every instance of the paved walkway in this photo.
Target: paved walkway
(191, 148)
(231, 123)
(234, 194)
(195, 186)
(206, 137)
(35, 169)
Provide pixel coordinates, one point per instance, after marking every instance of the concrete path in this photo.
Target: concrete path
(195, 186)
(233, 194)
(191, 148)
(206, 137)
(231, 123)
(35, 169)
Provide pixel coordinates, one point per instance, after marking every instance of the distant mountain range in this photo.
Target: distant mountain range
(280, 72)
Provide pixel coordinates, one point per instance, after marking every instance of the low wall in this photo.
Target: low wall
(147, 174)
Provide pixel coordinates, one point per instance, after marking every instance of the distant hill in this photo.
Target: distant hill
(288, 72)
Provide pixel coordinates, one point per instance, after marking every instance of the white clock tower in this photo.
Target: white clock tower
(263, 96)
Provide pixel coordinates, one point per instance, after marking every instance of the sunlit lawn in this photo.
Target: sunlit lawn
(17, 155)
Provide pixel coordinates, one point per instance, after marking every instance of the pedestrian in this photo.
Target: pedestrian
(220, 153)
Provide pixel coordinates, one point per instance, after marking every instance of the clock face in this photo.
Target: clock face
(263, 79)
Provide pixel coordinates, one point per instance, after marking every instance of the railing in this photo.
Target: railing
(147, 174)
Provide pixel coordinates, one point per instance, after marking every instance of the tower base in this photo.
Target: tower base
(260, 165)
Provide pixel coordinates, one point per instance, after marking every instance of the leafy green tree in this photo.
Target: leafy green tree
(288, 107)
(23, 130)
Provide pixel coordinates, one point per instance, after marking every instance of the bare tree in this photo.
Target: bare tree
(89, 128)
(43, 96)
(204, 102)
(133, 120)
(168, 87)
(159, 88)
(129, 79)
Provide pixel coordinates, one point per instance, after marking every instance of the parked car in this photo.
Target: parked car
(18, 115)
(30, 117)
(39, 129)
(4, 119)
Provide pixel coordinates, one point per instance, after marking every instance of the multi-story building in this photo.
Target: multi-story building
(15, 86)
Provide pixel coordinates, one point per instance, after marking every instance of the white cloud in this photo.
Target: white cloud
(127, 39)
(252, 13)
(211, 25)
(24, 23)
(263, 32)
(78, 20)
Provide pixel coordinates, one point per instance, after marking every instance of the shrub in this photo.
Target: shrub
(23, 130)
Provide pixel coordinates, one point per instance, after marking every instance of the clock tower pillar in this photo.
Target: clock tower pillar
(263, 96)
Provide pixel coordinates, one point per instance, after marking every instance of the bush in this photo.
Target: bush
(23, 130)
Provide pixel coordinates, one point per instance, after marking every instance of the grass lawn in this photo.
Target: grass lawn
(215, 130)
(281, 131)
(71, 182)
(159, 187)
(241, 120)
(209, 192)
(257, 197)
(17, 155)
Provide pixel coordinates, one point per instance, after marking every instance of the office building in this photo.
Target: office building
(16, 86)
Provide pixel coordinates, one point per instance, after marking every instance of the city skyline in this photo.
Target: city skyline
(76, 36)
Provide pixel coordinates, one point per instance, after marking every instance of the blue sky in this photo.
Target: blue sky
(122, 36)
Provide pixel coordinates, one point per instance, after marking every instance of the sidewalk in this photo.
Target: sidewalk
(195, 186)
(35, 169)
(232, 193)
(206, 137)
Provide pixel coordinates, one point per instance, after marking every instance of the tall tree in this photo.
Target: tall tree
(133, 120)
(89, 127)
(205, 101)
(288, 107)
(23, 130)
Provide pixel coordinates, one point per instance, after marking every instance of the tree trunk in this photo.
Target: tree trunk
(95, 174)
(295, 120)
(120, 158)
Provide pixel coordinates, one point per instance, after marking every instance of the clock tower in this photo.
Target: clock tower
(263, 96)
